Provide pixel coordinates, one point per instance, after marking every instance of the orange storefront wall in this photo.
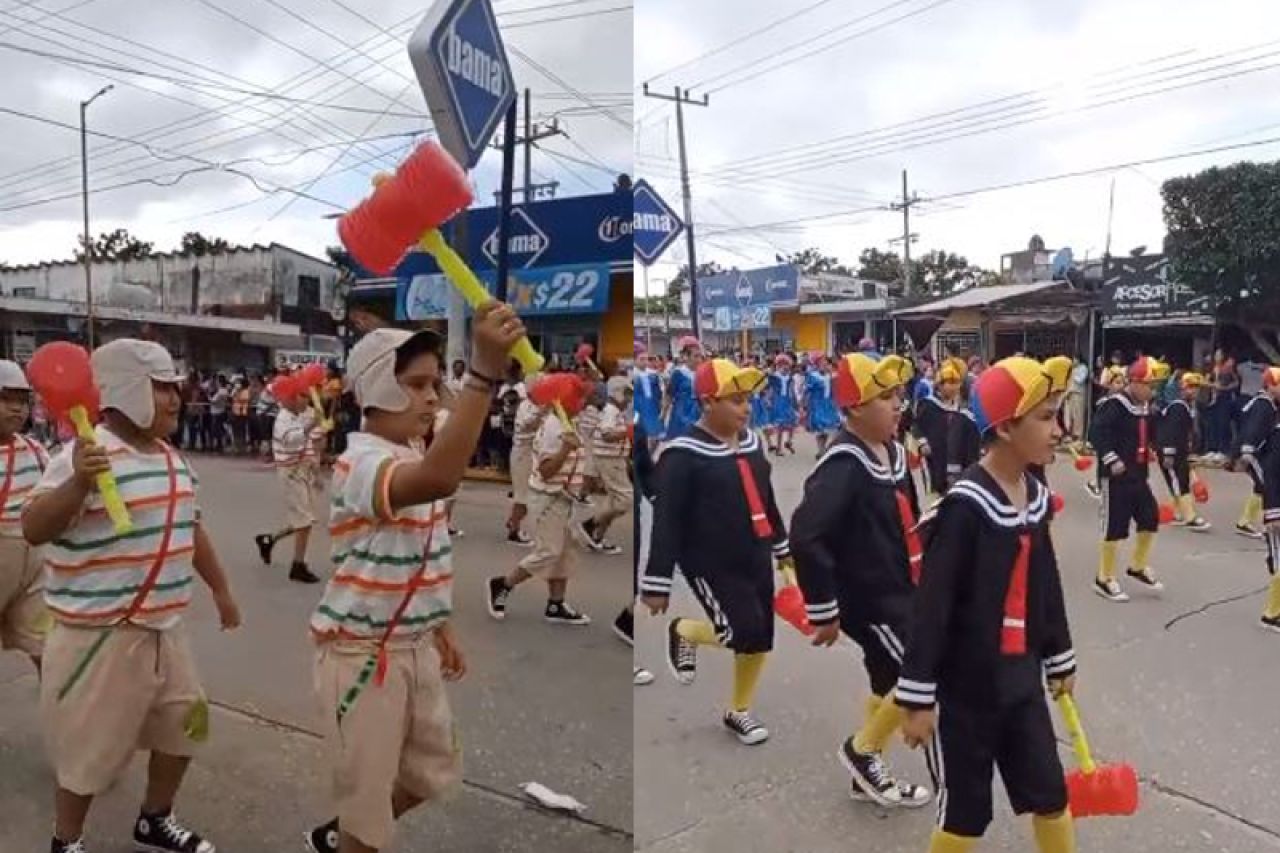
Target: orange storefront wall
(809, 331)
(617, 325)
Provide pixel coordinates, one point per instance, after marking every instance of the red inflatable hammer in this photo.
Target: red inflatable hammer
(1096, 789)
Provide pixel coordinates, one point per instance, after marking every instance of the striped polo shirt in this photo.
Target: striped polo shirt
(547, 443)
(588, 421)
(377, 552)
(611, 420)
(93, 574)
(18, 480)
(528, 418)
(293, 438)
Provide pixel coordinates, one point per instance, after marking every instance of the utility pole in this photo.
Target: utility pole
(534, 132)
(681, 97)
(908, 201)
(84, 198)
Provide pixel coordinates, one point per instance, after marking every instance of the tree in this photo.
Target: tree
(880, 266)
(1223, 241)
(939, 272)
(812, 262)
(117, 245)
(680, 283)
(195, 243)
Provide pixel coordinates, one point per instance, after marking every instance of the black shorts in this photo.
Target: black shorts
(971, 741)
(1178, 478)
(1127, 500)
(1254, 468)
(740, 606)
(882, 649)
(1273, 549)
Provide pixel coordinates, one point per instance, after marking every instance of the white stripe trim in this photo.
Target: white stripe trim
(1001, 513)
(1010, 622)
(890, 642)
(916, 698)
(1069, 654)
(922, 686)
(749, 443)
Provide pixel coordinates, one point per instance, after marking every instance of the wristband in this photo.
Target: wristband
(476, 382)
(472, 373)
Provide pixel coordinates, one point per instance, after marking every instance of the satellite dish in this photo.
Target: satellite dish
(1061, 263)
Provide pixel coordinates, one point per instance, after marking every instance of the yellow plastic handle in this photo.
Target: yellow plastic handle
(106, 481)
(474, 292)
(326, 423)
(563, 416)
(1071, 715)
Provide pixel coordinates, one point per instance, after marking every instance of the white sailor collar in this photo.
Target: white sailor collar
(847, 444)
(703, 443)
(982, 492)
(1126, 401)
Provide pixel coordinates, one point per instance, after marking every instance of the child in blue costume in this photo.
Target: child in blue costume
(684, 405)
(648, 396)
(759, 406)
(782, 408)
(822, 417)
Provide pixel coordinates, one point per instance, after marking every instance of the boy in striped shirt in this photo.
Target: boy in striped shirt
(295, 441)
(610, 449)
(118, 674)
(23, 619)
(385, 643)
(529, 417)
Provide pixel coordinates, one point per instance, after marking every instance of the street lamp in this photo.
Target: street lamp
(84, 194)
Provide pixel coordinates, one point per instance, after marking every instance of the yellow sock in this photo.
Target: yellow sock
(946, 842)
(1107, 570)
(1142, 551)
(746, 673)
(1273, 599)
(873, 705)
(1054, 834)
(1187, 506)
(875, 735)
(698, 632)
(1252, 512)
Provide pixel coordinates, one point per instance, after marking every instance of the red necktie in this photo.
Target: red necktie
(1142, 440)
(914, 554)
(759, 520)
(1013, 633)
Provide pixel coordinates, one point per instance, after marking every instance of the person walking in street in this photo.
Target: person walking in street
(611, 448)
(296, 442)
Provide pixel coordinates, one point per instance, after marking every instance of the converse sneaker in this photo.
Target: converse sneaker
(496, 593)
(606, 547)
(682, 655)
(746, 728)
(455, 532)
(300, 573)
(624, 627)
(870, 775)
(1199, 525)
(323, 839)
(1092, 488)
(1146, 577)
(1271, 623)
(76, 846)
(641, 676)
(163, 834)
(1110, 590)
(265, 542)
(1248, 531)
(912, 796)
(1179, 522)
(562, 613)
(519, 537)
(582, 531)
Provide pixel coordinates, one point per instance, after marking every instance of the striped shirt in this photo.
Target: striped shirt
(528, 418)
(611, 420)
(547, 443)
(19, 479)
(376, 553)
(93, 574)
(293, 438)
(588, 421)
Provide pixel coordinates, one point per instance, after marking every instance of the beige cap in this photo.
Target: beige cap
(124, 370)
(371, 369)
(617, 387)
(12, 377)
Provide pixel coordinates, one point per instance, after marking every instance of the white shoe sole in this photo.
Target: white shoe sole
(642, 678)
(756, 738)
(1202, 529)
(582, 623)
(1275, 629)
(488, 604)
(1118, 599)
(622, 635)
(306, 842)
(139, 847)
(1250, 534)
(872, 795)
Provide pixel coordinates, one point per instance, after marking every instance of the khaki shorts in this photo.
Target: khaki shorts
(24, 622)
(397, 735)
(134, 695)
(301, 486)
(521, 470)
(617, 485)
(554, 554)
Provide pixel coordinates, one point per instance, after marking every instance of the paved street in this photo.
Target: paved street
(1183, 688)
(541, 703)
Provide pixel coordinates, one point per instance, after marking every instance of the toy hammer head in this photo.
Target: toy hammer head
(61, 374)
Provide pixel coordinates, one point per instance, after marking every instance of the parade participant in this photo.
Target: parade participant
(682, 403)
(296, 443)
(23, 618)
(857, 557)
(715, 516)
(1257, 421)
(385, 641)
(555, 484)
(611, 449)
(782, 404)
(990, 625)
(1269, 459)
(529, 416)
(759, 421)
(586, 424)
(822, 418)
(1177, 434)
(648, 396)
(118, 674)
(1124, 439)
(1058, 370)
(945, 430)
(624, 624)
(1111, 382)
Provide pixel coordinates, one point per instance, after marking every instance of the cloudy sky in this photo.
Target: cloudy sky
(816, 107)
(244, 88)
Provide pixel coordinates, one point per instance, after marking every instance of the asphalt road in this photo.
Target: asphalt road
(1184, 687)
(541, 703)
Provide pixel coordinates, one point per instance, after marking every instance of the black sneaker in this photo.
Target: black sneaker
(163, 834)
(624, 627)
(519, 537)
(562, 613)
(1094, 492)
(1110, 590)
(496, 595)
(300, 573)
(323, 839)
(682, 655)
(456, 533)
(1146, 577)
(1199, 525)
(1249, 531)
(265, 542)
(870, 775)
(1271, 623)
(606, 547)
(745, 727)
(76, 846)
(913, 796)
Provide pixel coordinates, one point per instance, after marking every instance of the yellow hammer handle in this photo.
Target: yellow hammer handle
(563, 416)
(326, 424)
(474, 292)
(1071, 715)
(116, 510)
(789, 573)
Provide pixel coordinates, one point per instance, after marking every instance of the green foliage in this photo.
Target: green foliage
(195, 243)
(118, 245)
(813, 262)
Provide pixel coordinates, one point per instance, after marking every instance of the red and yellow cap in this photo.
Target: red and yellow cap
(1113, 372)
(1058, 369)
(860, 378)
(1010, 388)
(1191, 379)
(1148, 369)
(720, 377)
(953, 370)
(1271, 377)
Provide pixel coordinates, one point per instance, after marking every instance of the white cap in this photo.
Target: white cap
(12, 378)
(617, 387)
(124, 370)
(371, 369)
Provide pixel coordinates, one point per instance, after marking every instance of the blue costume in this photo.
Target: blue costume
(684, 406)
(822, 414)
(759, 410)
(648, 401)
(782, 407)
